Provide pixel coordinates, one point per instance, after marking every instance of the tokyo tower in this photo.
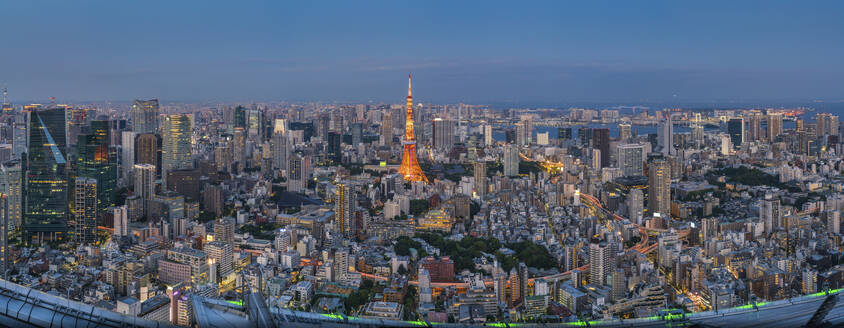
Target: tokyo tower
(409, 164)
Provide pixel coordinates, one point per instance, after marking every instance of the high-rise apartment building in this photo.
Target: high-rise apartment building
(770, 213)
(630, 159)
(127, 154)
(11, 185)
(481, 187)
(488, 140)
(659, 187)
(827, 124)
(665, 135)
(387, 129)
(85, 209)
(221, 253)
(121, 221)
(344, 209)
(298, 172)
(601, 262)
(635, 205)
(511, 160)
(754, 127)
(280, 148)
(144, 182)
(224, 230)
(774, 126)
(443, 134)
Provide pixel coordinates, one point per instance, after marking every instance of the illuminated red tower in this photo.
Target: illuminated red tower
(409, 164)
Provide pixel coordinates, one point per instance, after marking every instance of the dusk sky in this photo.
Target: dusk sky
(485, 51)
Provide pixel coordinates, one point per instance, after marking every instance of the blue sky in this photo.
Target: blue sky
(483, 51)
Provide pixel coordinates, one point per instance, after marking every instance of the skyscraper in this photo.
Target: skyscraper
(341, 261)
(387, 129)
(601, 262)
(224, 230)
(601, 141)
(176, 144)
(630, 159)
(298, 171)
(11, 185)
(511, 160)
(488, 135)
(635, 205)
(624, 132)
(85, 209)
(94, 161)
(697, 135)
(827, 124)
(659, 187)
(46, 182)
(735, 128)
(480, 179)
(280, 148)
(443, 134)
(335, 141)
(344, 209)
(409, 163)
(774, 126)
(357, 133)
(524, 132)
(523, 281)
(145, 116)
(144, 180)
(221, 253)
(121, 221)
(754, 127)
(770, 213)
(127, 155)
(666, 135)
(148, 150)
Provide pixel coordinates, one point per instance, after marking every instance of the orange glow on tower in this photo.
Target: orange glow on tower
(409, 164)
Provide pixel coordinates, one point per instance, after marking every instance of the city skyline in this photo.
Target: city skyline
(559, 164)
(549, 53)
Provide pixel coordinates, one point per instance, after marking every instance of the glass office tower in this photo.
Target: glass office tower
(96, 162)
(46, 179)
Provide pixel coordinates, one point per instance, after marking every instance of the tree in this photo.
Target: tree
(418, 206)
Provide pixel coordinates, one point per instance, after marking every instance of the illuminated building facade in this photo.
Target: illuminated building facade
(176, 149)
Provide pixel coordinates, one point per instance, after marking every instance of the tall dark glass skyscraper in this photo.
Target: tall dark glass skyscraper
(735, 127)
(96, 162)
(46, 180)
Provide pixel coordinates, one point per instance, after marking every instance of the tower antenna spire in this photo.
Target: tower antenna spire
(409, 168)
